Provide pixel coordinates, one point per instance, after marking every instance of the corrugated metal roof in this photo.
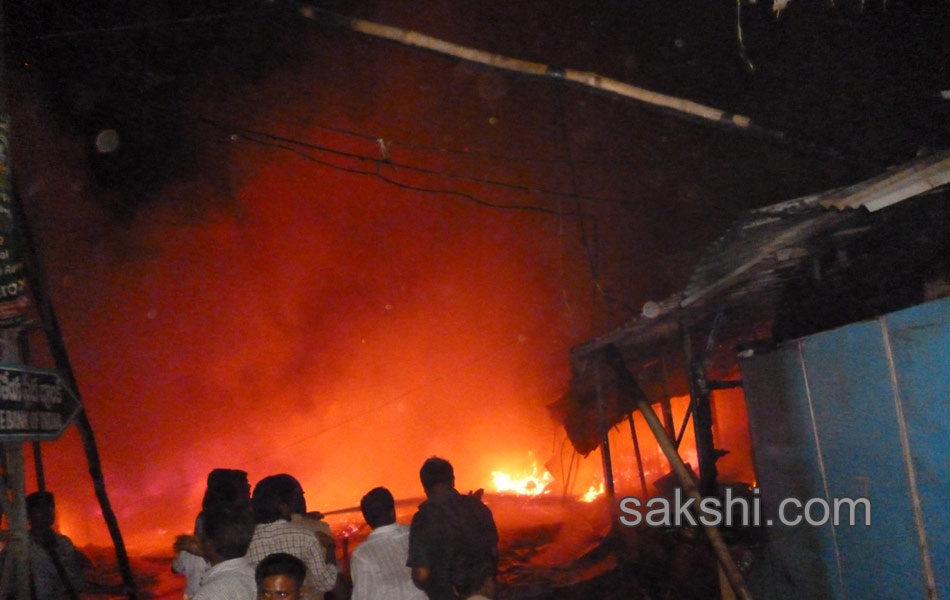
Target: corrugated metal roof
(917, 177)
(770, 239)
(780, 272)
(744, 278)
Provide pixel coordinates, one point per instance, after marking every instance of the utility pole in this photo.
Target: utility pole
(16, 280)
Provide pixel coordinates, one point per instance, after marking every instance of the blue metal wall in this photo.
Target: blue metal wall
(861, 411)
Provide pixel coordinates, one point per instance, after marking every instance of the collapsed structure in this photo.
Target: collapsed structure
(831, 313)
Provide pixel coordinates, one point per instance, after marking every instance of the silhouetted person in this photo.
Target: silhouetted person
(225, 536)
(378, 565)
(56, 566)
(275, 499)
(477, 583)
(451, 536)
(227, 489)
(280, 576)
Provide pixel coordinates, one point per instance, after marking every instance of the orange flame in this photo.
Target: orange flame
(593, 493)
(530, 484)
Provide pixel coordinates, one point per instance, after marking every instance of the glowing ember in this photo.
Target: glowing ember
(593, 493)
(524, 485)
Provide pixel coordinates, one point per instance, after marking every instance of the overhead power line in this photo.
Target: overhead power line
(136, 27)
(294, 145)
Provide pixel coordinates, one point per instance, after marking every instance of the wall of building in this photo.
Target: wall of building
(858, 412)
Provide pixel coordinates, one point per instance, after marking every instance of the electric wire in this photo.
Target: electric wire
(286, 143)
(311, 12)
(379, 175)
(136, 27)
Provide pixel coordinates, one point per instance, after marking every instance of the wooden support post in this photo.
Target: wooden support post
(604, 441)
(665, 407)
(686, 479)
(636, 451)
(667, 411)
(679, 436)
(702, 415)
(38, 467)
(22, 344)
(17, 565)
(706, 452)
(57, 348)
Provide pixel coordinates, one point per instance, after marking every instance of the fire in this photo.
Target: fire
(593, 493)
(531, 484)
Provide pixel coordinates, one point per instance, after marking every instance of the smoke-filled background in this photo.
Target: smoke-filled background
(319, 253)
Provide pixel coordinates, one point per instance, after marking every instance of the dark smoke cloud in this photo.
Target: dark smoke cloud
(258, 310)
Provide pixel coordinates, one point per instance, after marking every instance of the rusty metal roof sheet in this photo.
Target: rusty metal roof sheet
(912, 179)
(743, 283)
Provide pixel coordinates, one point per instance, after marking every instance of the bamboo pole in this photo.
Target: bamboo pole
(726, 561)
(415, 39)
(57, 348)
(685, 476)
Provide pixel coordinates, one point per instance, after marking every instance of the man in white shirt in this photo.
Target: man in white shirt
(378, 565)
(224, 541)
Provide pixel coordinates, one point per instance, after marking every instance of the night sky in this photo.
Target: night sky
(326, 254)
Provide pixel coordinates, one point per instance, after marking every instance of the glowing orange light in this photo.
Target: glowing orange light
(525, 484)
(593, 493)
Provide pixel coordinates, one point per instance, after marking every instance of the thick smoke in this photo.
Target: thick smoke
(277, 315)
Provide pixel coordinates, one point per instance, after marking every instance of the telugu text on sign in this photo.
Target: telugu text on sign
(34, 403)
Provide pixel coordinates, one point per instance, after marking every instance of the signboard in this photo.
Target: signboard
(13, 290)
(35, 404)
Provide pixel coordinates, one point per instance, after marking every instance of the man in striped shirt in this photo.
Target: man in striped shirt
(275, 499)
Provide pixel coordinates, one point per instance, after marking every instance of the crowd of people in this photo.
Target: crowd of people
(264, 544)
(56, 567)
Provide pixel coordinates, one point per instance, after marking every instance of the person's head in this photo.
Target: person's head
(40, 510)
(277, 497)
(227, 488)
(226, 534)
(378, 507)
(436, 472)
(279, 577)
